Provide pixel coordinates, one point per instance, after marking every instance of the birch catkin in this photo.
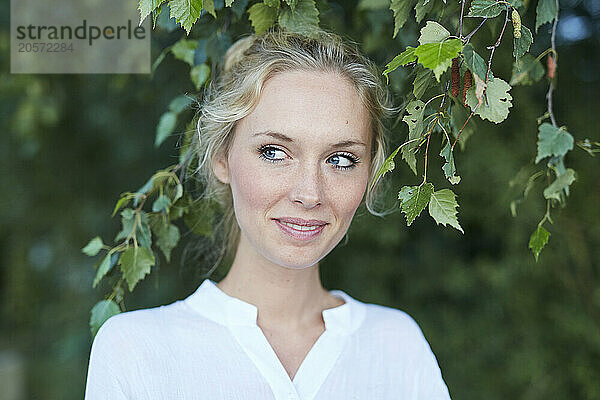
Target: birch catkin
(455, 78)
(467, 82)
(516, 20)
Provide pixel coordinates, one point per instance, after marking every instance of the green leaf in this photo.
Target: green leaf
(485, 8)
(387, 166)
(93, 247)
(162, 203)
(553, 141)
(107, 264)
(403, 58)
(165, 127)
(136, 263)
(433, 32)
(125, 198)
(476, 63)
(538, 240)
(526, 71)
(127, 219)
(561, 183)
(414, 200)
(438, 56)
(262, 17)
(180, 103)
(199, 75)
(449, 168)
(102, 311)
(272, 3)
(292, 4)
(147, 6)
(499, 101)
(168, 236)
(422, 81)
(422, 8)
(142, 231)
(401, 9)
(521, 45)
(185, 12)
(179, 207)
(414, 120)
(209, 6)
(178, 193)
(546, 11)
(148, 186)
(442, 207)
(142, 228)
(184, 50)
(304, 19)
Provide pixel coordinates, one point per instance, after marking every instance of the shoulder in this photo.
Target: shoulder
(388, 319)
(394, 329)
(396, 336)
(147, 321)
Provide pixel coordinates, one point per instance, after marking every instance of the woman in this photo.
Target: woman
(293, 131)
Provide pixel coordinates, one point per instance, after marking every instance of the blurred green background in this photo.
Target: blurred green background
(501, 326)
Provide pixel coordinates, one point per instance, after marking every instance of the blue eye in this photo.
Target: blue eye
(268, 153)
(353, 160)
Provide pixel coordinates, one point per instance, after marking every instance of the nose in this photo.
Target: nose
(307, 186)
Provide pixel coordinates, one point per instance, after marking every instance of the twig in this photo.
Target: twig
(433, 126)
(493, 48)
(554, 56)
(460, 22)
(463, 127)
(468, 37)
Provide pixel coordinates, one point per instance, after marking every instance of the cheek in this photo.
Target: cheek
(345, 196)
(253, 189)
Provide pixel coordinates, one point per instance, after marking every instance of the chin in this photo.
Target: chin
(295, 261)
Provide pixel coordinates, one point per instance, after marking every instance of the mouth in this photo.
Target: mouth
(300, 232)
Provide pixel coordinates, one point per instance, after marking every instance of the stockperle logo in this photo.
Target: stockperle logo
(83, 31)
(79, 36)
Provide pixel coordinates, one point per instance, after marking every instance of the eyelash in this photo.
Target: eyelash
(349, 156)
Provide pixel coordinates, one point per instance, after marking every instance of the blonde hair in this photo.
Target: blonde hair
(247, 65)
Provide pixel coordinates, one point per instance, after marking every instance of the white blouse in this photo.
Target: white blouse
(208, 346)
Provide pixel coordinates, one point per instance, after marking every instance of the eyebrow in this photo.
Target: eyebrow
(281, 136)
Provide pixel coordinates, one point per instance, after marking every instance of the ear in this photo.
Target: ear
(221, 168)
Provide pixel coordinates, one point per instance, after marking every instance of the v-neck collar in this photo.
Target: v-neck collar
(241, 319)
(227, 310)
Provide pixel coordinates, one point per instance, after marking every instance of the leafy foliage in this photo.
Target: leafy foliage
(538, 240)
(437, 56)
(102, 311)
(552, 141)
(498, 101)
(430, 57)
(485, 8)
(135, 264)
(414, 200)
(442, 207)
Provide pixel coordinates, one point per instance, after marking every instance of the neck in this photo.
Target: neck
(286, 298)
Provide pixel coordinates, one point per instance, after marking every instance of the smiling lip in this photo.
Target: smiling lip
(299, 234)
(300, 221)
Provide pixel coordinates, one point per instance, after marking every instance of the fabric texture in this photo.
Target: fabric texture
(208, 346)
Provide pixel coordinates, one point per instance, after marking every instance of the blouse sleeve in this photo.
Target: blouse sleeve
(430, 385)
(105, 377)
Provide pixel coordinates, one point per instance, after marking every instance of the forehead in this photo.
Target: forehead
(311, 107)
